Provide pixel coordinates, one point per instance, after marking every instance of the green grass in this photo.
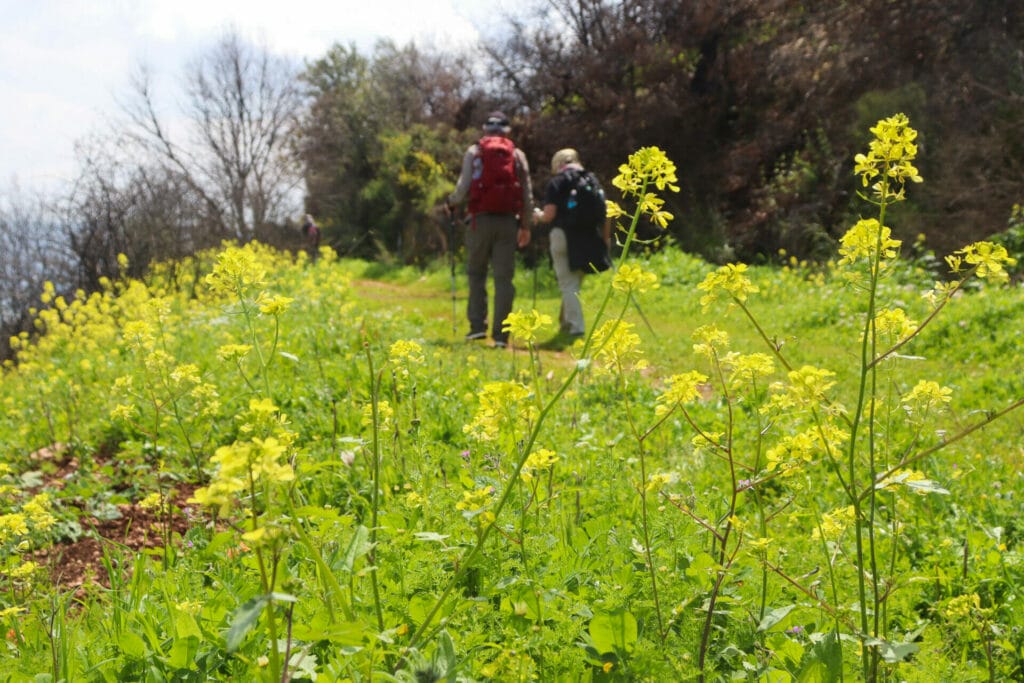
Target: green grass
(562, 589)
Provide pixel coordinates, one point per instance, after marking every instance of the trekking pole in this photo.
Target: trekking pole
(536, 264)
(643, 317)
(451, 258)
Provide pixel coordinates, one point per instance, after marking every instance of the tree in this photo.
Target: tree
(358, 130)
(34, 252)
(243, 104)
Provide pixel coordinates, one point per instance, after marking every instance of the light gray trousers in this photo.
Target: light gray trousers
(570, 318)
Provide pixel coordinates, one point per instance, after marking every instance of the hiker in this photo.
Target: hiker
(574, 204)
(312, 232)
(495, 178)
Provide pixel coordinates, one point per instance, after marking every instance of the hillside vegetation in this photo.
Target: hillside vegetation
(798, 473)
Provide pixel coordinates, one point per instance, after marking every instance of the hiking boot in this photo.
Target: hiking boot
(473, 336)
(499, 344)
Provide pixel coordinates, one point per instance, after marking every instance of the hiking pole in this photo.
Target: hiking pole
(451, 258)
(536, 263)
(643, 317)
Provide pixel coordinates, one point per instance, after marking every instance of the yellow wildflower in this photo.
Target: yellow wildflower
(524, 326)
(634, 279)
(729, 280)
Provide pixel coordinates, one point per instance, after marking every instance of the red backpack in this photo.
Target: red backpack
(495, 187)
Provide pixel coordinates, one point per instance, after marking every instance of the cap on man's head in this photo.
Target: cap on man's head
(497, 122)
(564, 157)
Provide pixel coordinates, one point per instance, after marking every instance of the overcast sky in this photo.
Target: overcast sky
(63, 63)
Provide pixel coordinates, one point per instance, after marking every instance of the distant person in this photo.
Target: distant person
(496, 179)
(312, 232)
(574, 204)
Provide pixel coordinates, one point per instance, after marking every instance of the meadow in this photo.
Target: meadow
(297, 470)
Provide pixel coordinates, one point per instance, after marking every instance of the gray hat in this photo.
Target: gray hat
(497, 122)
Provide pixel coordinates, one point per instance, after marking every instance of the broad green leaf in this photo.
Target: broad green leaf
(132, 644)
(613, 632)
(244, 619)
(183, 653)
(185, 625)
(823, 661)
(774, 617)
(357, 547)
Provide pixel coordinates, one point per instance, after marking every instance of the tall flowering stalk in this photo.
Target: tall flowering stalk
(256, 468)
(850, 440)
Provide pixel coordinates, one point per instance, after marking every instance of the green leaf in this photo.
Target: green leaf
(823, 661)
(357, 547)
(183, 653)
(774, 617)
(444, 656)
(244, 619)
(185, 625)
(613, 632)
(132, 644)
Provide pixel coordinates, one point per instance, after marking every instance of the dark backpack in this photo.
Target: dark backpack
(583, 209)
(495, 186)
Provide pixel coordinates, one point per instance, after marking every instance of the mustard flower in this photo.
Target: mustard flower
(152, 501)
(233, 352)
(405, 351)
(273, 304)
(24, 570)
(806, 388)
(634, 279)
(123, 412)
(12, 525)
(657, 482)
(385, 413)
(524, 326)
(49, 292)
(538, 461)
(730, 280)
(867, 239)
(186, 373)
(680, 389)
(500, 403)
(618, 344)
(255, 536)
(988, 257)
(745, 369)
(473, 501)
(889, 158)
(834, 523)
(925, 396)
(139, 335)
(710, 340)
(791, 452)
(962, 607)
(894, 322)
(38, 511)
(613, 210)
(646, 166)
(236, 271)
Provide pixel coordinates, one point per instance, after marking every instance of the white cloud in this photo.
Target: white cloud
(63, 62)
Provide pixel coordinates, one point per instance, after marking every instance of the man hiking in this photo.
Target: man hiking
(496, 179)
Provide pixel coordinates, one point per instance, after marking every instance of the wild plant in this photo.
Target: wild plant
(870, 445)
